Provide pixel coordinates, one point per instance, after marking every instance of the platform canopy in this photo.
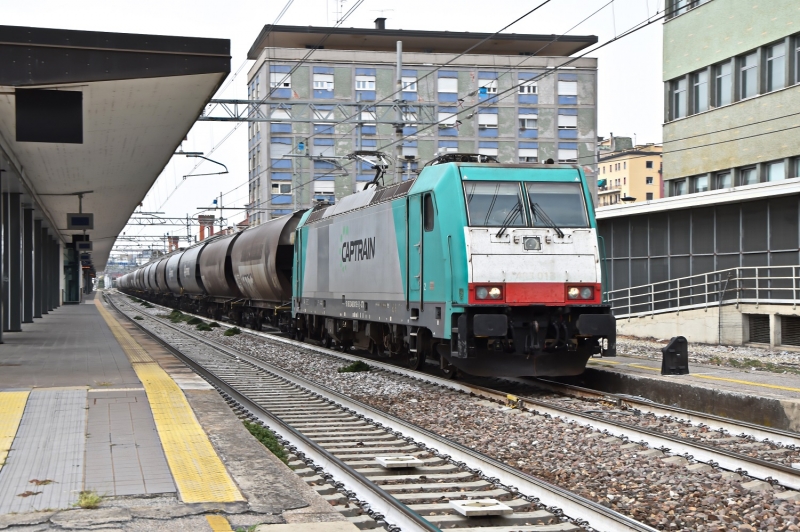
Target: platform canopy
(102, 112)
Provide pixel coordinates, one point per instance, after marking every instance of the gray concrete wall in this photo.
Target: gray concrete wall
(706, 326)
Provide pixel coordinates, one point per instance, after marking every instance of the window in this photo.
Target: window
(567, 88)
(797, 62)
(280, 114)
(775, 171)
(649, 196)
(567, 122)
(448, 85)
(324, 187)
(723, 180)
(748, 74)
(528, 121)
(648, 180)
(493, 204)
(409, 84)
(567, 155)
(528, 155)
(323, 82)
(679, 188)
(679, 98)
(281, 188)
(280, 80)
(487, 121)
(368, 116)
(700, 82)
(528, 87)
(625, 165)
(447, 119)
(648, 164)
(701, 183)
(722, 76)
(796, 167)
(428, 216)
(748, 176)
(560, 202)
(323, 113)
(364, 83)
(489, 84)
(776, 67)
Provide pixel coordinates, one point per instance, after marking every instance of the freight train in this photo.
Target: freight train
(481, 267)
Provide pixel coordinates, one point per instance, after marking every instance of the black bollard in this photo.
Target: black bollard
(675, 357)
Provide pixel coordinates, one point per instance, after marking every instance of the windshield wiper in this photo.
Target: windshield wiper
(510, 217)
(538, 213)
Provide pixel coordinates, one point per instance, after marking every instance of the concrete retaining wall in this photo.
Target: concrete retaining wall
(727, 325)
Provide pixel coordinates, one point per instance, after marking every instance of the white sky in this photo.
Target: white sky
(630, 100)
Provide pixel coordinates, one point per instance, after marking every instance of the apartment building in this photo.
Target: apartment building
(630, 175)
(732, 93)
(530, 106)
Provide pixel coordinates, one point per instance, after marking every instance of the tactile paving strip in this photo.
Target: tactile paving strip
(198, 472)
(44, 468)
(12, 405)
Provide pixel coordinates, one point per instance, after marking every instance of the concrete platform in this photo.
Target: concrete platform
(78, 391)
(761, 397)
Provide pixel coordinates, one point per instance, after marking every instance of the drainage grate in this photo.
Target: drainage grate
(790, 330)
(759, 328)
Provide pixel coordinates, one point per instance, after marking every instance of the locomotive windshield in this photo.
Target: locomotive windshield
(500, 204)
(562, 201)
(494, 204)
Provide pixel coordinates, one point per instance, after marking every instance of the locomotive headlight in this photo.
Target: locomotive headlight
(587, 293)
(573, 292)
(481, 292)
(488, 292)
(532, 243)
(495, 293)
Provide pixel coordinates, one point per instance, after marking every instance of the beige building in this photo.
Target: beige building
(630, 176)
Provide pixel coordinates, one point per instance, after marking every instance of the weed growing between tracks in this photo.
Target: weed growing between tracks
(138, 318)
(233, 331)
(268, 439)
(354, 367)
(89, 500)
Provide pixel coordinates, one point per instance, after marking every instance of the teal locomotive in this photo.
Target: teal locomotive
(482, 267)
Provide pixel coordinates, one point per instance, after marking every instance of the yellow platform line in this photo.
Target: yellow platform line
(12, 405)
(219, 523)
(651, 368)
(197, 469)
(736, 381)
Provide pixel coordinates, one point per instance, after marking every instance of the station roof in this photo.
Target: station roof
(385, 40)
(123, 104)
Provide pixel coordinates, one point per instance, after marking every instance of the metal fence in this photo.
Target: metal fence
(764, 284)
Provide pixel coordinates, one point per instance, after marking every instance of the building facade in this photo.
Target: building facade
(732, 93)
(634, 175)
(340, 100)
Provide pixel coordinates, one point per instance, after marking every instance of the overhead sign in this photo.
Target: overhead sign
(84, 246)
(85, 257)
(80, 220)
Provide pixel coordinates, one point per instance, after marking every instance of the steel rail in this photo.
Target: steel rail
(393, 510)
(714, 422)
(597, 515)
(755, 467)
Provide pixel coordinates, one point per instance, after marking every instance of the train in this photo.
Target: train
(483, 268)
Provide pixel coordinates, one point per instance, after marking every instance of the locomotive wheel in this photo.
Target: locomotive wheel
(449, 371)
(416, 360)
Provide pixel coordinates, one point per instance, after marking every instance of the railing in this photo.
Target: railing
(762, 284)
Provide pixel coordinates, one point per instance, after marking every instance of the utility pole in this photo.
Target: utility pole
(220, 212)
(398, 127)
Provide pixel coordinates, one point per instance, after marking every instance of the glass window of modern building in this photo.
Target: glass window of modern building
(409, 84)
(748, 176)
(279, 80)
(701, 183)
(529, 87)
(679, 98)
(776, 67)
(748, 75)
(723, 180)
(528, 121)
(775, 171)
(365, 83)
(323, 82)
(700, 95)
(722, 86)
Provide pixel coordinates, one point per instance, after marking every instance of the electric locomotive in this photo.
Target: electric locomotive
(493, 269)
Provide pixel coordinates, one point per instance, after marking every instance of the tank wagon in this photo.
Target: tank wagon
(486, 268)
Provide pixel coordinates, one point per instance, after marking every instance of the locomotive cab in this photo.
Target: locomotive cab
(525, 269)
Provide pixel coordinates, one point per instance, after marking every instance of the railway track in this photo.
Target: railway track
(587, 409)
(349, 442)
